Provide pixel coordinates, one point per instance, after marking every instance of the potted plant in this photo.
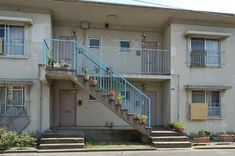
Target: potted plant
(171, 126)
(119, 99)
(65, 65)
(86, 76)
(50, 62)
(93, 82)
(111, 95)
(203, 137)
(224, 137)
(143, 119)
(179, 127)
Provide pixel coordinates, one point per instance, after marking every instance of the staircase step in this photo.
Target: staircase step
(165, 133)
(118, 108)
(169, 138)
(130, 117)
(62, 134)
(61, 140)
(178, 144)
(124, 112)
(62, 146)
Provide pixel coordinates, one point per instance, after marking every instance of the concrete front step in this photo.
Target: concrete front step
(178, 144)
(169, 138)
(62, 134)
(61, 140)
(166, 133)
(62, 146)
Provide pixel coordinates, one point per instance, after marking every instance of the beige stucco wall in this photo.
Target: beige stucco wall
(223, 76)
(26, 68)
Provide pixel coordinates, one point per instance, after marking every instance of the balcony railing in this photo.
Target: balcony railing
(135, 60)
(207, 58)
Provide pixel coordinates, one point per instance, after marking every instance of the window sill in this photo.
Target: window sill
(205, 66)
(14, 57)
(215, 118)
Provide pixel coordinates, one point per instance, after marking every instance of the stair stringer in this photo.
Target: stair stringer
(104, 100)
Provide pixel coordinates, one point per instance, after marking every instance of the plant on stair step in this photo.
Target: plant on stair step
(93, 82)
(179, 127)
(143, 119)
(119, 99)
(65, 65)
(111, 95)
(86, 76)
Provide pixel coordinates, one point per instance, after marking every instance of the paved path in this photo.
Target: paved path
(192, 152)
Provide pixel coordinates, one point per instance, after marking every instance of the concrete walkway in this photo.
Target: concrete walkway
(190, 152)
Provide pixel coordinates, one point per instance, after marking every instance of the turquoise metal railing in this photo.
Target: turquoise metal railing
(81, 60)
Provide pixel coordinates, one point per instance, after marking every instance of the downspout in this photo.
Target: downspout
(178, 96)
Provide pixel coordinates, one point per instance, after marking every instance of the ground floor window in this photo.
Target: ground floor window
(12, 99)
(212, 98)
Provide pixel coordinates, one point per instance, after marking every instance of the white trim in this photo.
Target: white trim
(20, 20)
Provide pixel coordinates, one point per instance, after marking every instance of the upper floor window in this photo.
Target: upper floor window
(125, 45)
(212, 98)
(11, 40)
(205, 52)
(94, 42)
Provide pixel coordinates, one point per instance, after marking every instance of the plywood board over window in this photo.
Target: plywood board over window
(198, 111)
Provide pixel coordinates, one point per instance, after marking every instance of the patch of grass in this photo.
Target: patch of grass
(90, 144)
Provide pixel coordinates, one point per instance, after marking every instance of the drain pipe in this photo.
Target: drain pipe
(178, 98)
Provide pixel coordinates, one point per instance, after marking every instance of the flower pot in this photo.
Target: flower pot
(180, 130)
(49, 67)
(119, 102)
(111, 98)
(93, 82)
(226, 137)
(201, 139)
(143, 122)
(86, 77)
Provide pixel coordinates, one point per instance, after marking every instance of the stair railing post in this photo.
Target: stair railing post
(74, 56)
(149, 111)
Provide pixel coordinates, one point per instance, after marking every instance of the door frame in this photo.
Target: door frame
(156, 106)
(74, 106)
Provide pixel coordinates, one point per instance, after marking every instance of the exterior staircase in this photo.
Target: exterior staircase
(85, 62)
(61, 139)
(169, 139)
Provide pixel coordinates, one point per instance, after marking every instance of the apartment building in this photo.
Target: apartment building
(168, 64)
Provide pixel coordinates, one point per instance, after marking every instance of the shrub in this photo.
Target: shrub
(179, 125)
(26, 141)
(9, 139)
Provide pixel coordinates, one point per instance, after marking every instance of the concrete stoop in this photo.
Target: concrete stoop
(62, 140)
(169, 139)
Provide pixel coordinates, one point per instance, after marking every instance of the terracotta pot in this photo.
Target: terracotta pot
(201, 139)
(93, 82)
(181, 130)
(119, 102)
(111, 93)
(227, 137)
(86, 77)
(111, 98)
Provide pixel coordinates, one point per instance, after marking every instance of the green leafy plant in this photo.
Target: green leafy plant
(26, 141)
(179, 125)
(9, 139)
(50, 61)
(120, 99)
(143, 119)
(202, 133)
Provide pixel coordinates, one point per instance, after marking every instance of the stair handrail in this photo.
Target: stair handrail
(97, 61)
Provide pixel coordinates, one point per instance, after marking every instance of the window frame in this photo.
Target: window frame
(206, 101)
(205, 64)
(94, 38)
(124, 49)
(7, 41)
(6, 104)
